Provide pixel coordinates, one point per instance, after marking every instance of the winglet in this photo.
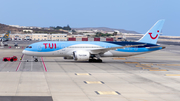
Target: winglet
(152, 35)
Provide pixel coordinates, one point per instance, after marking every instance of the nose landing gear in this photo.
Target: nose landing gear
(35, 59)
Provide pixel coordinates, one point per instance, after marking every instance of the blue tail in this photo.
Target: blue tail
(7, 34)
(152, 35)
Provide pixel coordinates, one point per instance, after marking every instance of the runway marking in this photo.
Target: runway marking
(168, 64)
(93, 82)
(132, 62)
(82, 74)
(157, 70)
(44, 64)
(135, 57)
(119, 58)
(172, 68)
(19, 63)
(172, 74)
(153, 68)
(107, 93)
(150, 64)
(142, 65)
(149, 67)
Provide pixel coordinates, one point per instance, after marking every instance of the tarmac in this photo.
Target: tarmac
(148, 77)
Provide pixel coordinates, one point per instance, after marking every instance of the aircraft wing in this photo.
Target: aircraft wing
(156, 47)
(103, 50)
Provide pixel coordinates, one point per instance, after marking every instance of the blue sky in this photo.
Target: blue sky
(136, 15)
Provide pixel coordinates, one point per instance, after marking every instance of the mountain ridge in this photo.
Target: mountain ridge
(4, 28)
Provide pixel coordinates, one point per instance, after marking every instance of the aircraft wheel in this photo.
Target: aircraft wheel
(99, 60)
(36, 60)
(5, 60)
(11, 60)
(92, 60)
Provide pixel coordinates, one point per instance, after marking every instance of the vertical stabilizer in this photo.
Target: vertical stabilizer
(7, 34)
(152, 35)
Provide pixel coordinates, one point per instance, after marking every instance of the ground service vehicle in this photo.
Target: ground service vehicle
(14, 58)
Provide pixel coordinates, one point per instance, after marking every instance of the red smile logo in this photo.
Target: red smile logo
(152, 36)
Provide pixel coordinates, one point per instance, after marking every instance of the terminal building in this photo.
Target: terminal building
(61, 37)
(38, 37)
(20, 36)
(53, 37)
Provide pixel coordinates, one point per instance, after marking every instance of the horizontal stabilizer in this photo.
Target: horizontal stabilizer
(156, 47)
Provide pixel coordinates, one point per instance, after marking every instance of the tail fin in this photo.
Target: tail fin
(7, 34)
(152, 35)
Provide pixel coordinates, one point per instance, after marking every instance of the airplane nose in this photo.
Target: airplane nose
(24, 51)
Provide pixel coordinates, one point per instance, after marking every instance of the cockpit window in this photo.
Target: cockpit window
(29, 47)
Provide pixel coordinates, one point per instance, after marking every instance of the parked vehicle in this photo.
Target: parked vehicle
(5, 44)
(14, 58)
(15, 44)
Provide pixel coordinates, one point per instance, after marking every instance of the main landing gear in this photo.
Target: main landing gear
(95, 60)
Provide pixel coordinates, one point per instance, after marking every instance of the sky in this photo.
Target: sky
(135, 15)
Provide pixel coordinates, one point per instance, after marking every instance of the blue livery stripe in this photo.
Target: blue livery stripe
(50, 46)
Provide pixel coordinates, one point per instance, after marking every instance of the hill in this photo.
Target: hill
(4, 28)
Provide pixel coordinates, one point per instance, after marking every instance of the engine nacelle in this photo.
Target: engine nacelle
(81, 55)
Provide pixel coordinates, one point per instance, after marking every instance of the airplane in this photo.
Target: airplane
(93, 51)
(5, 37)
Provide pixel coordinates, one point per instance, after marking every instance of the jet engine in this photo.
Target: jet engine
(81, 55)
